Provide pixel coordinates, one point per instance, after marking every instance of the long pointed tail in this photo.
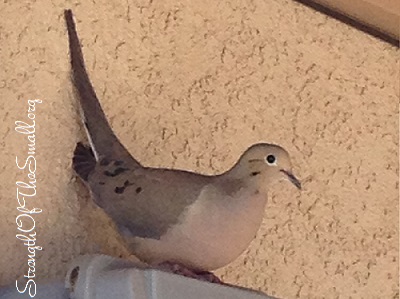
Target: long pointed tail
(103, 140)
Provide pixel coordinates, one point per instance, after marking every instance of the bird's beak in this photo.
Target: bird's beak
(292, 178)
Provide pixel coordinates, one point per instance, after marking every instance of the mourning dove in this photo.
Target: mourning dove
(202, 222)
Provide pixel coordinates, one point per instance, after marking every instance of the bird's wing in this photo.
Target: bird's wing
(145, 202)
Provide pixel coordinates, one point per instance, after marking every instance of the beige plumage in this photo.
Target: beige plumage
(198, 221)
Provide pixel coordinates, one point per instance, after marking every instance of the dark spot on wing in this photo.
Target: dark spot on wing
(255, 173)
(101, 183)
(138, 190)
(120, 190)
(120, 170)
(116, 172)
(118, 163)
(104, 162)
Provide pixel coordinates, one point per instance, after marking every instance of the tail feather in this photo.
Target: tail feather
(83, 161)
(102, 138)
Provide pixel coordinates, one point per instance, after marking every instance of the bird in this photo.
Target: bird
(188, 222)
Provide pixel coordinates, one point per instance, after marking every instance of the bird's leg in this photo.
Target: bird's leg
(184, 271)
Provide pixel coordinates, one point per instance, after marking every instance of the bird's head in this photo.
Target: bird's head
(265, 163)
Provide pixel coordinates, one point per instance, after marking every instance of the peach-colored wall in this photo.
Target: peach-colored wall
(191, 84)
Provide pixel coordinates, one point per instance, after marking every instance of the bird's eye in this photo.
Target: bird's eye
(271, 159)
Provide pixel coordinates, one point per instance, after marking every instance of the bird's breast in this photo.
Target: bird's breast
(212, 232)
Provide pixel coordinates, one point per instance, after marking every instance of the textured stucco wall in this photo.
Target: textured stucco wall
(191, 84)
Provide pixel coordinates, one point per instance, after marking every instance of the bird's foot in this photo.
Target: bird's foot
(182, 270)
